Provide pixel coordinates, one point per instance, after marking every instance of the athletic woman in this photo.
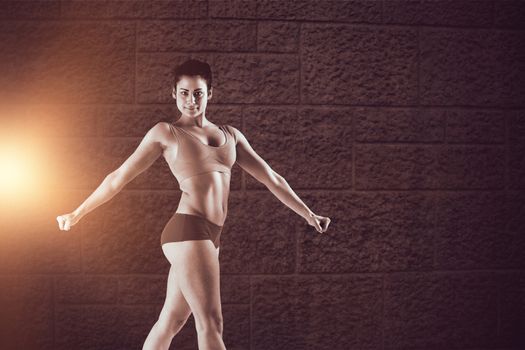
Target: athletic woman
(200, 154)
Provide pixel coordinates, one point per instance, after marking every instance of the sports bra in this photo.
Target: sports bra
(194, 157)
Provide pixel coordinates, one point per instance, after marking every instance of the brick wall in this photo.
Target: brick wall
(403, 121)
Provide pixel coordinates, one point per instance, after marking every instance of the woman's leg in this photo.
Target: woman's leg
(197, 271)
(172, 317)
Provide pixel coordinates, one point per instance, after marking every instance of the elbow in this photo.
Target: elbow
(115, 181)
(274, 179)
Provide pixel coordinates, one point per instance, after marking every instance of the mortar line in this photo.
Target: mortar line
(53, 291)
(135, 68)
(383, 312)
(251, 312)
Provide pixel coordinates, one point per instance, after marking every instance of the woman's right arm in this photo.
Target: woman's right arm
(149, 149)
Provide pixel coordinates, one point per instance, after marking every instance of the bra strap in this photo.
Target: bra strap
(172, 128)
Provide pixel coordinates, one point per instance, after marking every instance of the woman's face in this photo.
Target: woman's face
(191, 95)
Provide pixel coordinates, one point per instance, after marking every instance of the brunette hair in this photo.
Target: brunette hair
(193, 67)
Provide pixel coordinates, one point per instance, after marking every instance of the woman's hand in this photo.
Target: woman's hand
(65, 221)
(319, 222)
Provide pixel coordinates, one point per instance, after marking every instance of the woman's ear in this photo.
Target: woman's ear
(174, 93)
(210, 94)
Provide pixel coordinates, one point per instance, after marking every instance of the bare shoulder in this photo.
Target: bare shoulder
(239, 136)
(161, 126)
(159, 133)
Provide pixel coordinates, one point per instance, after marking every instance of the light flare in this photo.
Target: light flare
(14, 171)
(23, 173)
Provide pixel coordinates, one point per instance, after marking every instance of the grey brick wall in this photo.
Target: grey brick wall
(404, 121)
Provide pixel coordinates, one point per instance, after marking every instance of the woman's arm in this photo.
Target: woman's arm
(149, 149)
(257, 167)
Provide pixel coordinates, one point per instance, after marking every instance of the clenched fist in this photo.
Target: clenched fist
(319, 222)
(66, 221)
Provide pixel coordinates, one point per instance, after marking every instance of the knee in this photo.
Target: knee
(177, 324)
(212, 322)
(173, 325)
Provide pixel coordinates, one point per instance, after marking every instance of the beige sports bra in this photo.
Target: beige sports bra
(195, 158)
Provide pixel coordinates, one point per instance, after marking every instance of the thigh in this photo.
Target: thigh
(197, 272)
(176, 308)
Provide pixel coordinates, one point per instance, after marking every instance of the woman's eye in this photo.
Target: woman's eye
(196, 94)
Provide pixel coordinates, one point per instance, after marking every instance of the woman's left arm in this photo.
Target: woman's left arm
(257, 167)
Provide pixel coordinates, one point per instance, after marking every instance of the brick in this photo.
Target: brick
(233, 9)
(196, 36)
(30, 9)
(442, 13)
(236, 333)
(512, 306)
(27, 312)
(70, 62)
(509, 14)
(35, 244)
(311, 10)
(256, 78)
(440, 310)
(130, 120)
(61, 120)
(368, 232)
(235, 289)
(89, 9)
(516, 166)
(320, 141)
(385, 167)
(392, 166)
(516, 127)
(102, 327)
(278, 36)
(317, 312)
(466, 126)
(398, 125)
(142, 290)
(344, 64)
(257, 239)
(470, 231)
(86, 289)
(474, 68)
(43, 251)
(474, 167)
(90, 164)
(124, 236)
(512, 242)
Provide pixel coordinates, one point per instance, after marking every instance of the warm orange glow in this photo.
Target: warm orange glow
(24, 172)
(15, 171)
(36, 163)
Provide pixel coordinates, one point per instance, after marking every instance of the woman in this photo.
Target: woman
(200, 154)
